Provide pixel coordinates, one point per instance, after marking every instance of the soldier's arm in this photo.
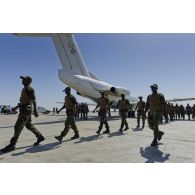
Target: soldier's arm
(31, 92)
(163, 103)
(96, 107)
(62, 108)
(147, 105)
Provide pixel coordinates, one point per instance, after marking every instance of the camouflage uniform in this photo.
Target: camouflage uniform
(182, 111)
(140, 113)
(103, 103)
(70, 105)
(124, 106)
(24, 117)
(188, 111)
(155, 103)
(193, 111)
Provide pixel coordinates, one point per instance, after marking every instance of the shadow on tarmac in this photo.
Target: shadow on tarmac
(116, 133)
(88, 139)
(137, 129)
(153, 154)
(40, 148)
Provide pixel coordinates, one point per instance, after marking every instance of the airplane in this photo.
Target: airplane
(74, 72)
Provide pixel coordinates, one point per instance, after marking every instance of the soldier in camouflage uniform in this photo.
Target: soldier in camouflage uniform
(104, 104)
(177, 114)
(140, 107)
(156, 104)
(188, 111)
(27, 99)
(124, 106)
(193, 111)
(172, 112)
(182, 111)
(70, 105)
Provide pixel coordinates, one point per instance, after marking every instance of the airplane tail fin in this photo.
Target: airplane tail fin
(67, 50)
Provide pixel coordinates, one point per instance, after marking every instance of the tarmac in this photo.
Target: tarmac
(132, 146)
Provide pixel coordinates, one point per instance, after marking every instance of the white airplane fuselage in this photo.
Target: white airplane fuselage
(75, 74)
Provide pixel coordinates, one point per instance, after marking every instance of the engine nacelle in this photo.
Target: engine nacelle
(120, 90)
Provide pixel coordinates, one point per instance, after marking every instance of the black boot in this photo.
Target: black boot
(8, 148)
(154, 142)
(76, 136)
(107, 131)
(39, 140)
(98, 132)
(126, 128)
(59, 138)
(160, 134)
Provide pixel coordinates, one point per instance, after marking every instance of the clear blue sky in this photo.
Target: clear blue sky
(131, 60)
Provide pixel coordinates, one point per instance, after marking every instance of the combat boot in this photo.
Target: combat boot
(98, 132)
(76, 136)
(126, 128)
(138, 126)
(160, 134)
(8, 148)
(39, 140)
(59, 138)
(107, 131)
(154, 142)
(120, 130)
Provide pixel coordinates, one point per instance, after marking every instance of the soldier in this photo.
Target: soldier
(193, 111)
(188, 111)
(27, 99)
(104, 104)
(140, 112)
(82, 110)
(156, 104)
(182, 111)
(177, 114)
(85, 111)
(124, 106)
(70, 105)
(172, 112)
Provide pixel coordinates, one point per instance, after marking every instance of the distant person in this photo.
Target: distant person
(188, 111)
(177, 112)
(104, 104)
(193, 111)
(54, 110)
(182, 111)
(172, 112)
(0, 109)
(124, 106)
(140, 107)
(27, 99)
(82, 107)
(70, 105)
(85, 111)
(155, 104)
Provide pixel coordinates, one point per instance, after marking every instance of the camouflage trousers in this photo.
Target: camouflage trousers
(69, 123)
(154, 118)
(24, 120)
(139, 115)
(123, 120)
(103, 120)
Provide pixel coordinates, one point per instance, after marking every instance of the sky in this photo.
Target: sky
(134, 61)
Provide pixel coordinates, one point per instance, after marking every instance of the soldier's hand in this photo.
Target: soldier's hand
(36, 114)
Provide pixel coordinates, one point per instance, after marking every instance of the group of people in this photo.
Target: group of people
(155, 106)
(82, 111)
(6, 110)
(178, 112)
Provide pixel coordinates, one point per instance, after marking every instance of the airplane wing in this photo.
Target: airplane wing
(180, 100)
